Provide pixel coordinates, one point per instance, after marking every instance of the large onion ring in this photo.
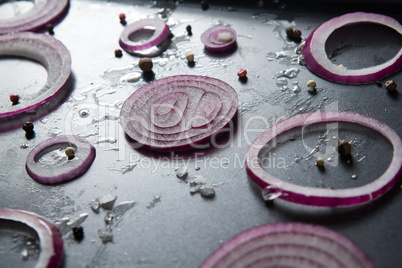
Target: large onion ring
(289, 245)
(178, 112)
(84, 156)
(318, 196)
(160, 34)
(317, 59)
(48, 51)
(38, 16)
(50, 238)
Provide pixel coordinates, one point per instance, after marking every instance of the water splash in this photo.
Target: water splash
(271, 192)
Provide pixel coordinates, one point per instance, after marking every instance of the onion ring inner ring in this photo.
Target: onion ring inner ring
(326, 197)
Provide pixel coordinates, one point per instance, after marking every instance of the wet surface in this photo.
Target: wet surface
(156, 221)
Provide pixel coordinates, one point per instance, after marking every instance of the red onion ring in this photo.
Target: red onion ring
(50, 238)
(326, 197)
(317, 59)
(84, 156)
(210, 38)
(160, 34)
(178, 112)
(38, 16)
(289, 245)
(48, 51)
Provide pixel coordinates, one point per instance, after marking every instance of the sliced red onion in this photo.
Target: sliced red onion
(219, 38)
(179, 111)
(319, 196)
(317, 59)
(50, 238)
(289, 245)
(69, 169)
(42, 13)
(161, 31)
(48, 51)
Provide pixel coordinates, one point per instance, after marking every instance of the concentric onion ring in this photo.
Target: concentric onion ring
(50, 238)
(319, 196)
(178, 111)
(289, 245)
(219, 38)
(42, 13)
(317, 60)
(71, 169)
(160, 34)
(48, 51)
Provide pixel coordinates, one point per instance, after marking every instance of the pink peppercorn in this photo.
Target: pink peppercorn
(242, 73)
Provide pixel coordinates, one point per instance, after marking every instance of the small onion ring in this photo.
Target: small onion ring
(160, 34)
(50, 238)
(289, 245)
(326, 197)
(48, 51)
(317, 59)
(35, 18)
(84, 156)
(210, 38)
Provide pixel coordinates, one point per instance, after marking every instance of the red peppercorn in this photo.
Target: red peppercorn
(122, 18)
(242, 73)
(14, 99)
(118, 53)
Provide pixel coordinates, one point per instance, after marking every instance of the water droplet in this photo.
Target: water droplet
(354, 176)
(83, 113)
(24, 145)
(271, 192)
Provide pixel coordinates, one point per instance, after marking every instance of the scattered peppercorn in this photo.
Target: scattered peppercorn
(320, 162)
(204, 5)
(311, 84)
(344, 147)
(391, 85)
(15, 99)
(145, 64)
(122, 18)
(170, 35)
(188, 28)
(78, 233)
(297, 35)
(289, 32)
(29, 132)
(242, 73)
(28, 127)
(70, 152)
(118, 53)
(50, 28)
(190, 57)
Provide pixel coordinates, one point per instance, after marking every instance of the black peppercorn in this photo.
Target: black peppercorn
(28, 127)
(50, 28)
(78, 233)
(188, 28)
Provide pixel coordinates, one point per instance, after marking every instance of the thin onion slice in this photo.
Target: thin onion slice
(289, 245)
(50, 238)
(69, 169)
(325, 197)
(161, 31)
(178, 112)
(42, 13)
(219, 38)
(317, 59)
(48, 51)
